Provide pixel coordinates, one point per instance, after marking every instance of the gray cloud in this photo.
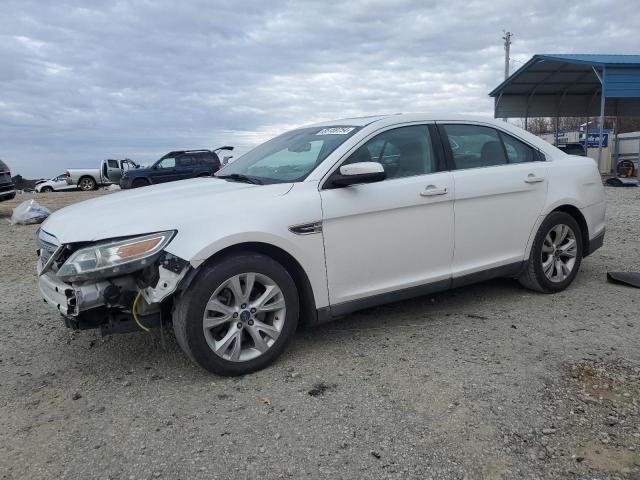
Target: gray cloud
(82, 81)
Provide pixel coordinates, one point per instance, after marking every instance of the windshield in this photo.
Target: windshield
(291, 156)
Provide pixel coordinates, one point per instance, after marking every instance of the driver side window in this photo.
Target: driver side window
(169, 162)
(403, 152)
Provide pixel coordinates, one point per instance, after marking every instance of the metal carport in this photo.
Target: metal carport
(571, 86)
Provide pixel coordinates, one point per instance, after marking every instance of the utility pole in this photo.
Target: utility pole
(507, 49)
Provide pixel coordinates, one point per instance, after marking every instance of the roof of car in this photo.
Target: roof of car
(401, 118)
(404, 118)
(182, 152)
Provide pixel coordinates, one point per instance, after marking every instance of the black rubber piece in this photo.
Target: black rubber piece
(625, 278)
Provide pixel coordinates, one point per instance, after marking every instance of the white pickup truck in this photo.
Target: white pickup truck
(110, 172)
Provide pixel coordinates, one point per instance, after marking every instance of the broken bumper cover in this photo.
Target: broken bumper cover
(106, 304)
(58, 294)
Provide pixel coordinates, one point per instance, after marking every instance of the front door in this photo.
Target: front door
(114, 171)
(394, 235)
(501, 186)
(165, 170)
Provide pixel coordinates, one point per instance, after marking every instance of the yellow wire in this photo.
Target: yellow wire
(135, 315)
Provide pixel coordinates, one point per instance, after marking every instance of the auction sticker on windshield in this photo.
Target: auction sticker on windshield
(335, 131)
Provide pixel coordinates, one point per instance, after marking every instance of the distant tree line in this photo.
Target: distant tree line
(539, 125)
(19, 182)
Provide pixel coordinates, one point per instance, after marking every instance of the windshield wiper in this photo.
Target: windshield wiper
(239, 177)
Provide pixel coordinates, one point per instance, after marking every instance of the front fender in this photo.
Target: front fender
(266, 220)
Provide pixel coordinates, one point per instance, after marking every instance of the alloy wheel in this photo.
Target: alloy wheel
(86, 184)
(244, 317)
(559, 252)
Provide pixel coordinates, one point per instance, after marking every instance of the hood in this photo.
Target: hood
(156, 208)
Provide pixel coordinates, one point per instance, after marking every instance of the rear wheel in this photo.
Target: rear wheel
(555, 256)
(238, 315)
(87, 184)
(140, 182)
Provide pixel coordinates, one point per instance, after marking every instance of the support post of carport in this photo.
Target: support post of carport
(601, 119)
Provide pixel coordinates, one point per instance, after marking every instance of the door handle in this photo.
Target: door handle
(432, 190)
(531, 178)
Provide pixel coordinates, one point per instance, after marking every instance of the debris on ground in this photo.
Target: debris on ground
(319, 389)
(29, 212)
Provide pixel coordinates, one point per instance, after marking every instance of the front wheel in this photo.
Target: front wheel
(140, 182)
(46, 190)
(238, 315)
(555, 256)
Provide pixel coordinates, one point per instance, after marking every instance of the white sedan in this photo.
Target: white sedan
(56, 184)
(319, 222)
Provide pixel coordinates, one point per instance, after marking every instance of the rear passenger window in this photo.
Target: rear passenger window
(517, 151)
(206, 158)
(475, 146)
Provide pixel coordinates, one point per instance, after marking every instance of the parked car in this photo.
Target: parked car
(178, 165)
(7, 189)
(573, 149)
(109, 173)
(319, 222)
(56, 184)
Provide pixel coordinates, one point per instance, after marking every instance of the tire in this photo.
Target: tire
(538, 275)
(140, 182)
(46, 190)
(86, 184)
(234, 323)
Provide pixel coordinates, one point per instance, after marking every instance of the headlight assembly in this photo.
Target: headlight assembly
(117, 257)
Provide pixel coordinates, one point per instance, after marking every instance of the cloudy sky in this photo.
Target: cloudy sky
(87, 80)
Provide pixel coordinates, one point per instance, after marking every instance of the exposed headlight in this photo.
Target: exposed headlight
(116, 257)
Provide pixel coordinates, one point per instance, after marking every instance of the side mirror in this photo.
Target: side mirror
(361, 172)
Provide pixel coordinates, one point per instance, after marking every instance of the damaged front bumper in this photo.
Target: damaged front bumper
(107, 304)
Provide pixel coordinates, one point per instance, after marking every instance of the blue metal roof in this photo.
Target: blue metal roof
(571, 85)
(594, 58)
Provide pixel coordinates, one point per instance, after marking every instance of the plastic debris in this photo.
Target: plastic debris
(29, 212)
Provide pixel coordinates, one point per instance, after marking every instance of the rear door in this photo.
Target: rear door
(60, 183)
(500, 191)
(185, 167)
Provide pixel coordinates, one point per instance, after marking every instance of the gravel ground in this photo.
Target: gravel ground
(488, 381)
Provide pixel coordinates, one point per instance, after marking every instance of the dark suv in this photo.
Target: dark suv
(178, 165)
(7, 190)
